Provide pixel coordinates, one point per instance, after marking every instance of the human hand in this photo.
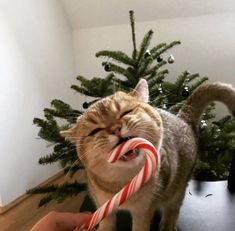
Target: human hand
(55, 221)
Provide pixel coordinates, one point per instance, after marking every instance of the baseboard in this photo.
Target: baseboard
(20, 199)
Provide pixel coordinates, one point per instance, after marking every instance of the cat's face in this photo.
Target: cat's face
(110, 121)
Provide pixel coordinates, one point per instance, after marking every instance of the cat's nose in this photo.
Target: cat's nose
(116, 129)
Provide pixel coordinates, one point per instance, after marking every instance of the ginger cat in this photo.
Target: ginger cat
(120, 116)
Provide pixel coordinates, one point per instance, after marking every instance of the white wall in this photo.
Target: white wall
(36, 66)
(208, 45)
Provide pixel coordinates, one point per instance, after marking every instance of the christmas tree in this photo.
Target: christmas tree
(216, 138)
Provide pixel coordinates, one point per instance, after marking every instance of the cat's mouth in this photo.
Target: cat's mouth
(130, 155)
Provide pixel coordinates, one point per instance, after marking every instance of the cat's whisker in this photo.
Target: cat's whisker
(72, 165)
(75, 114)
(82, 156)
(77, 137)
(64, 153)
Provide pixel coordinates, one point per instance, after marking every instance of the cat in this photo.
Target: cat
(121, 116)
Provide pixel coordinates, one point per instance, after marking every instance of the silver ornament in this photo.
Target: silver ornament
(160, 89)
(171, 59)
(216, 133)
(203, 124)
(164, 106)
(147, 54)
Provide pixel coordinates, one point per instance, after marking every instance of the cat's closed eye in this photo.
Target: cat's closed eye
(95, 131)
(125, 113)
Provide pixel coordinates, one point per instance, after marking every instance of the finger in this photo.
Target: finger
(69, 221)
(80, 229)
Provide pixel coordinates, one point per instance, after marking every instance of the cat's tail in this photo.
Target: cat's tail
(193, 108)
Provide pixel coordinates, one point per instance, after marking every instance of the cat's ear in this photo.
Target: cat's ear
(69, 134)
(141, 91)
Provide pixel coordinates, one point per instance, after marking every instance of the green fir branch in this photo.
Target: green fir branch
(58, 192)
(208, 113)
(123, 85)
(132, 22)
(115, 68)
(180, 81)
(71, 117)
(229, 126)
(83, 90)
(192, 87)
(155, 49)
(158, 75)
(144, 46)
(223, 120)
(50, 159)
(96, 87)
(43, 189)
(165, 48)
(49, 130)
(122, 71)
(174, 109)
(45, 200)
(62, 110)
(71, 170)
(60, 156)
(193, 77)
(158, 78)
(117, 56)
(143, 66)
(155, 68)
(169, 88)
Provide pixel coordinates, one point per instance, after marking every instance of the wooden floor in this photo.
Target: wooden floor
(23, 216)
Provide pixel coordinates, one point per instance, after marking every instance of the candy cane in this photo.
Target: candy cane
(136, 183)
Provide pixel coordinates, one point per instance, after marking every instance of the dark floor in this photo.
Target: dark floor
(208, 206)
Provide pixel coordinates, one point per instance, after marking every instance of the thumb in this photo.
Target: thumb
(78, 219)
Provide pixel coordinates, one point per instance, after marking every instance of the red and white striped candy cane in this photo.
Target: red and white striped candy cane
(136, 183)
